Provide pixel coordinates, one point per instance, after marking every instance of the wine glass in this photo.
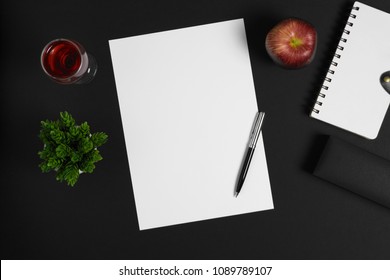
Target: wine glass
(66, 62)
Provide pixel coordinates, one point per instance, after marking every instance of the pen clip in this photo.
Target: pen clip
(256, 129)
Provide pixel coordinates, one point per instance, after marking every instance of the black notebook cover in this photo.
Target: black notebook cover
(355, 169)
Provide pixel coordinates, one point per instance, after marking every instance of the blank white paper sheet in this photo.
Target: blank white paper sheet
(187, 103)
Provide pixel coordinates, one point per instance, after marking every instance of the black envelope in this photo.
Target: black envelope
(355, 169)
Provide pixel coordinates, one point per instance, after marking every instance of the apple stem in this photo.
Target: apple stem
(295, 42)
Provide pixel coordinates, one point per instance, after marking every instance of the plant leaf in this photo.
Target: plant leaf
(67, 119)
(54, 163)
(85, 145)
(99, 138)
(76, 157)
(44, 167)
(71, 174)
(62, 151)
(57, 135)
(84, 129)
(89, 167)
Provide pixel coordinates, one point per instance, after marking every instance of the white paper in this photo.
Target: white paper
(188, 102)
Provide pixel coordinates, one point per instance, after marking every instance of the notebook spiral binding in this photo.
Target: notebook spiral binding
(337, 56)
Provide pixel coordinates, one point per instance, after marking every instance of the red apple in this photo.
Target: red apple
(292, 43)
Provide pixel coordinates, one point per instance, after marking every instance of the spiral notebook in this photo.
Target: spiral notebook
(353, 96)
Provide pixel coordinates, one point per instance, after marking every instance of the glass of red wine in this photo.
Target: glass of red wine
(66, 62)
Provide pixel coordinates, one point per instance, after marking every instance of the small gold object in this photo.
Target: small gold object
(386, 79)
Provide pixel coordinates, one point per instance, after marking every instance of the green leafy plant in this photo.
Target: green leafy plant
(69, 149)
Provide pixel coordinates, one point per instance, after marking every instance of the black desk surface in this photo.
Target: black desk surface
(43, 219)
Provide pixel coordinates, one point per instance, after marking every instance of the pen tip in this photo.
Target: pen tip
(236, 194)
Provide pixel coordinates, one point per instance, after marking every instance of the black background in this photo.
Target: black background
(43, 219)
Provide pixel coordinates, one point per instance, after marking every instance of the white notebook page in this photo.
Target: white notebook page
(355, 99)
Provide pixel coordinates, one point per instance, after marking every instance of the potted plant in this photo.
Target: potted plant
(68, 148)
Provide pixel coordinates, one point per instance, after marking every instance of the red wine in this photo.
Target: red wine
(64, 60)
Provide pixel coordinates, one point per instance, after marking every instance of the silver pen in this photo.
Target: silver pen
(256, 129)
